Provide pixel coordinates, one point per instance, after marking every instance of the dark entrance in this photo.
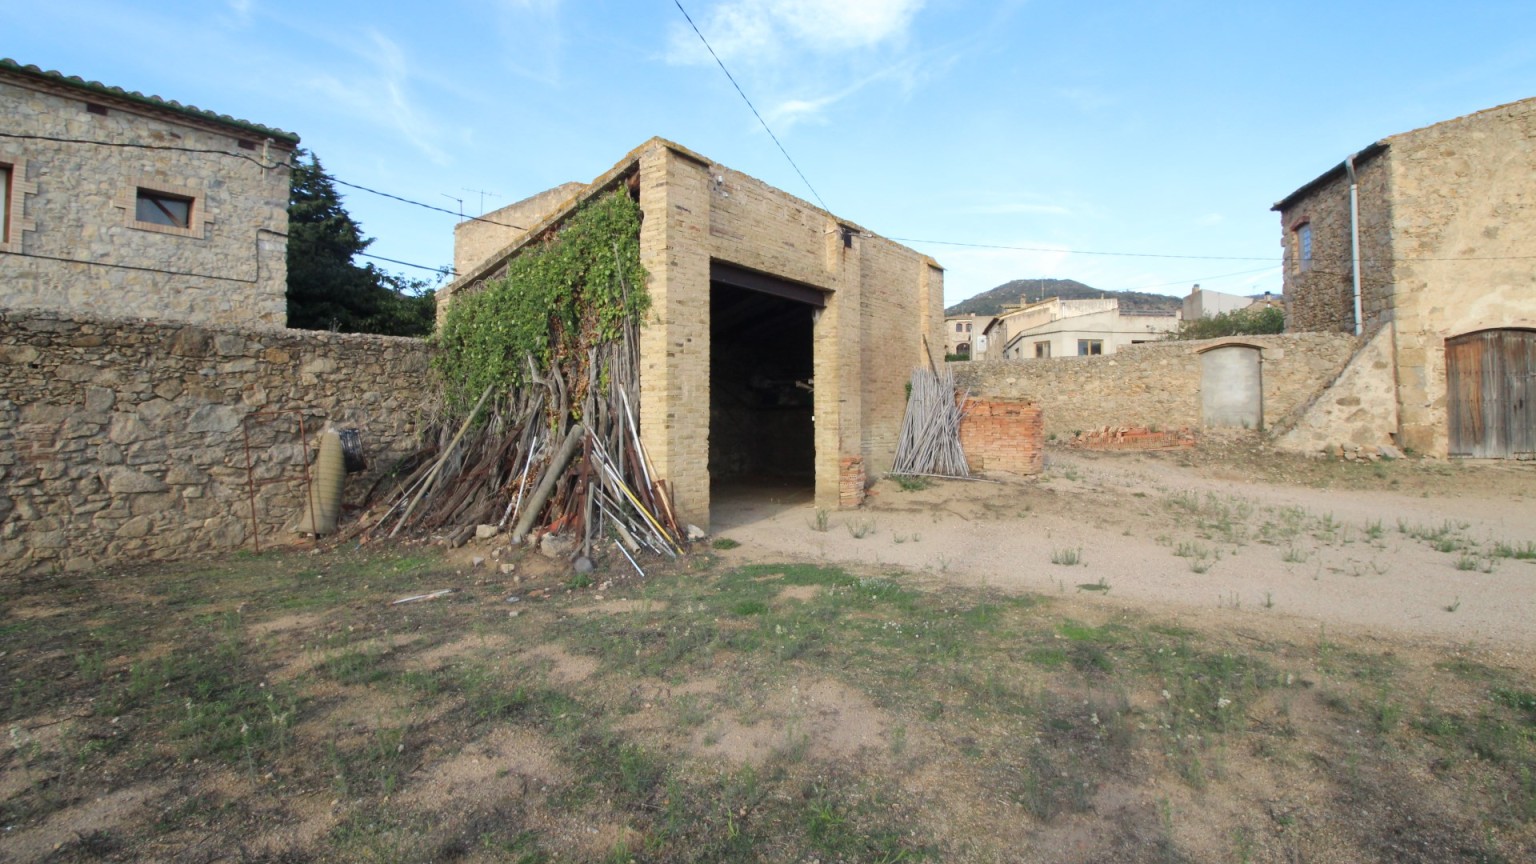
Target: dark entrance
(1490, 385)
(761, 428)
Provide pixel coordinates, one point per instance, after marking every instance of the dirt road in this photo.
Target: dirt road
(1418, 549)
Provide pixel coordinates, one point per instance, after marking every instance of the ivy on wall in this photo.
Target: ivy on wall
(578, 289)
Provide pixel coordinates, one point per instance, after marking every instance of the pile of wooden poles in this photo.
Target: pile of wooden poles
(558, 455)
(930, 432)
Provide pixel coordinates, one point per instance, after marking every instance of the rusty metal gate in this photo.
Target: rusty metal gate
(1491, 382)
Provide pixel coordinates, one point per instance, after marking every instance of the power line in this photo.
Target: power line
(407, 263)
(744, 98)
(331, 177)
(1340, 259)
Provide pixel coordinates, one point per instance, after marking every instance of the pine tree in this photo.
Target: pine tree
(327, 290)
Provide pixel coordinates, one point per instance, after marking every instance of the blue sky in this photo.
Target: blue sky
(1156, 128)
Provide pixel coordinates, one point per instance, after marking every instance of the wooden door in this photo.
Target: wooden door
(1490, 385)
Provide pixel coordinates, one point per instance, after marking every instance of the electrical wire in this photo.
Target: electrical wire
(744, 98)
(956, 243)
(266, 165)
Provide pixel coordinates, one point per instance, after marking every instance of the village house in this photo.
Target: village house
(780, 338)
(965, 335)
(1204, 303)
(1054, 327)
(1421, 243)
(118, 204)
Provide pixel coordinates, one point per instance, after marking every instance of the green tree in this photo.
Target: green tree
(327, 290)
(1240, 322)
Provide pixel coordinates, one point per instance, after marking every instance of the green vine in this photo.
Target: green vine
(576, 290)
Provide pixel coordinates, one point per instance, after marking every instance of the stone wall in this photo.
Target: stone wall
(126, 439)
(78, 245)
(1464, 227)
(1155, 384)
(1319, 295)
(1356, 410)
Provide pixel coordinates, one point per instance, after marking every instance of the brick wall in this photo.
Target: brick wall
(1155, 384)
(79, 247)
(1003, 436)
(123, 439)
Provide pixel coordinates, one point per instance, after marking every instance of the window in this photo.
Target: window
(5, 204)
(14, 190)
(1304, 247)
(151, 204)
(163, 208)
(1043, 350)
(1089, 347)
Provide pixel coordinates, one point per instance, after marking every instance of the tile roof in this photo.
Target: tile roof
(96, 87)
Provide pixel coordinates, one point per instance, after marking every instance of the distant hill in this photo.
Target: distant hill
(1008, 294)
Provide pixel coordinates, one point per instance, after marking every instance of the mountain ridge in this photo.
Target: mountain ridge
(1009, 293)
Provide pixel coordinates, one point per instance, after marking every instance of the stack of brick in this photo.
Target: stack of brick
(851, 481)
(1134, 438)
(1003, 436)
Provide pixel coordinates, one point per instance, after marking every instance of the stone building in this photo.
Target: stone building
(1443, 227)
(1054, 327)
(120, 204)
(965, 335)
(780, 338)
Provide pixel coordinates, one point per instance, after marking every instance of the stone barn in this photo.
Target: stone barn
(780, 338)
(1421, 244)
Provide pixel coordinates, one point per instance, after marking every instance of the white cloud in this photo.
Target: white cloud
(1210, 220)
(757, 31)
(384, 96)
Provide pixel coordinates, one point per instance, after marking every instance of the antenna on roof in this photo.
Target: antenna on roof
(451, 198)
(482, 194)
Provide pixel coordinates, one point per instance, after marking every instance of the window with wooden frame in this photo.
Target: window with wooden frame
(1042, 350)
(163, 208)
(150, 205)
(5, 202)
(14, 190)
(1090, 347)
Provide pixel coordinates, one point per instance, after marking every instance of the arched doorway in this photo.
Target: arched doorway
(1232, 387)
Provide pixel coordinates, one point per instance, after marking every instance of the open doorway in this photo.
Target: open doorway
(762, 440)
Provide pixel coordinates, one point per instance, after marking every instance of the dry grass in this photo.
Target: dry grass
(278, 708)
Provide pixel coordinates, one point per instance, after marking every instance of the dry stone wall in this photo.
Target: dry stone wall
(127, 439)
(1155, 384)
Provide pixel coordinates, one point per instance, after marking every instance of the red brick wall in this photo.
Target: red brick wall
(1133, 438)
(851, 481)
(1003, 436)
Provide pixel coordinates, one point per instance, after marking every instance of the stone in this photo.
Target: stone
(508, 569)
(126, 481)
(214, 418)
(485, 532)
(476, 562)
(1387, 451)
(138, 526)
(695, 533)
(582, 565)
(127, 429)
(557, 546)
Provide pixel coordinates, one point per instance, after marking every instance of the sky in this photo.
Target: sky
(1127, 145)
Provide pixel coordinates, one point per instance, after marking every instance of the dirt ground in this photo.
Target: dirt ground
(1209, 656)
(1409, 549)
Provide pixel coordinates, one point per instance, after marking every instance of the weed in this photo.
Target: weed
(724, 543)
(1100, 586)
(1524, 552)
(1294, 555)
(858, 529)
(821, 521)
(911, 483)
(1453, 605)
(1067, 557)
(1373, 530)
